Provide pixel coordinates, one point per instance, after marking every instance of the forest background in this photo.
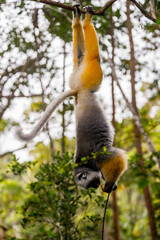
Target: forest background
(38, 195)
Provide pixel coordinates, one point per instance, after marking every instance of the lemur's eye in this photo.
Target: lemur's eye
(82, 176)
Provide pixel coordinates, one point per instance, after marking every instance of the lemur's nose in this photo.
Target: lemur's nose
(95, 183)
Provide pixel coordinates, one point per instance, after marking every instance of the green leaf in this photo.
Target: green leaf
(158, 21)
(143, 182)
(156, 188)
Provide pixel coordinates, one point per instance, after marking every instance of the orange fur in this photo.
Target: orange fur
(91, 40)
(113, 168)
(92, 75)
(78, 39)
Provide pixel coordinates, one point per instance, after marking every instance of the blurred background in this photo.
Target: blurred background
(39, 197)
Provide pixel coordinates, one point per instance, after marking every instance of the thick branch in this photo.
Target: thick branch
(101, 11)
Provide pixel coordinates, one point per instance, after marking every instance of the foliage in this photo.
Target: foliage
(50, 210)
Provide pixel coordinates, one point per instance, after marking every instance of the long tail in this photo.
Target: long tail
(49, 110)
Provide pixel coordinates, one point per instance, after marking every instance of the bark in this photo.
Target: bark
(138, 142)
(3, 234)
(114, 194)
(3, 231)
(115, 217)
(150, 209)
(35, 21)
(63, 105)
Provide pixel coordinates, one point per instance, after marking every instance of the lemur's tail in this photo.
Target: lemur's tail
(49, 110)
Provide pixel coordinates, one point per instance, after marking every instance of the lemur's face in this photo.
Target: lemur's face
(88, 178)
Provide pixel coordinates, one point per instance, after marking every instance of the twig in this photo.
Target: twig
(57, 11)
(105, 209)
(9, 152)
(144, 12)
(152, 9)
(22, 96)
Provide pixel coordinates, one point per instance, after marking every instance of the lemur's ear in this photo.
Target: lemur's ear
(49, 110)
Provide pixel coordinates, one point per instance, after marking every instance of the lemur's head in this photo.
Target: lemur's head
(87, 178)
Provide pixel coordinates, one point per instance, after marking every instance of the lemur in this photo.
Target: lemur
(95, 158)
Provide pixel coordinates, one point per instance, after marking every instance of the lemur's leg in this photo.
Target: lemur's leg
(92, 74)
(78, 37)
(113, 168)
(91, 40)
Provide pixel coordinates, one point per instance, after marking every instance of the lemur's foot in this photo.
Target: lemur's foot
(88, 9)
(77, 10)
(109, 187)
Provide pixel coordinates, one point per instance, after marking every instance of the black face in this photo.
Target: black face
(87, 178)
(94, 184)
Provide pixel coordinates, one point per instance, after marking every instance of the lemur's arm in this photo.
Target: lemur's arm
(49, 110)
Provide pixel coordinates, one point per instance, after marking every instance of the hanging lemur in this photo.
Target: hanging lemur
(94, 155)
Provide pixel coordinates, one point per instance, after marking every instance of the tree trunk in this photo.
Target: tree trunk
(3, 232)
(63, 105)
(114, 194)
(138, 142)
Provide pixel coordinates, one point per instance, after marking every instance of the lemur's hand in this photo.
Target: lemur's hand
(77, 10)
(88, 9)
(109, 187)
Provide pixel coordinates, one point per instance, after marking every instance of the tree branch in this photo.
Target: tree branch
(22, 96)
(10, 152)
(101, 11)
(144, 12)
